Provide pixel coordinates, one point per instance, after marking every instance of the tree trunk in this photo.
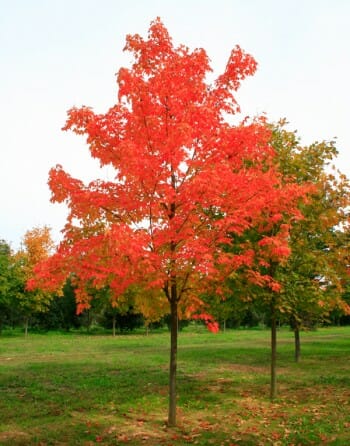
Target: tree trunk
(26, 323)
(297, 343)
(173, 357)
(88, 321)
(295, 326)
(273, 386)
(114, 323)
(174, 322)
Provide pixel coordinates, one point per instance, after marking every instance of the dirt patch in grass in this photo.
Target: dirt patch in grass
(14, 437)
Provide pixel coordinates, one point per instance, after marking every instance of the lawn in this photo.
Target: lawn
(79, 389)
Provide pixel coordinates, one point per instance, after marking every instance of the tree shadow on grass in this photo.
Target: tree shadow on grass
(117, 399)
(49, 403)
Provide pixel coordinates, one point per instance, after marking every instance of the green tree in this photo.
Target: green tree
(152, 304)
(6, 282)
(312, 279)
(304, 285)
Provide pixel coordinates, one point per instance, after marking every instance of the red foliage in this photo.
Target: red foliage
(186, 179)
(211, 324)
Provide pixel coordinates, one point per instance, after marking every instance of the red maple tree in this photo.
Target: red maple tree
(186, 180)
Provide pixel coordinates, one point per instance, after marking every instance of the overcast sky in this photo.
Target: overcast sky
(58, 53)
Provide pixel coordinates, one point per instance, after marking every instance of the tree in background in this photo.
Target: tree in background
(310, 279)
(6, 282)
(313, 277)
(185, 179)
(307, 285)
(151, 304)
(118, 313)
(61, 313)
(37, 245)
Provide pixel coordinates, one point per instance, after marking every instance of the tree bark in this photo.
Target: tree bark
(297, 343)
(26, 323)
(114, 323)
(173, 357)
(273, 386)
(174, 323)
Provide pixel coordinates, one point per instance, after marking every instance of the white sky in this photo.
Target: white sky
(58, 53)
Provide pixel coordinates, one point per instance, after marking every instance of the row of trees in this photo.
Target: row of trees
(204, 215)
(58, 312)
(17, 303)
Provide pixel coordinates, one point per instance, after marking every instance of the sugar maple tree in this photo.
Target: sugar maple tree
(186, 179)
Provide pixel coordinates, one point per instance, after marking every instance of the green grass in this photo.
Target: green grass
(77, 389)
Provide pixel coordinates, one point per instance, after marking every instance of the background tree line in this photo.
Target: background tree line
(314, 279)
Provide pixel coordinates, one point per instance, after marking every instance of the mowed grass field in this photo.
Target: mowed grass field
(78, 389)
